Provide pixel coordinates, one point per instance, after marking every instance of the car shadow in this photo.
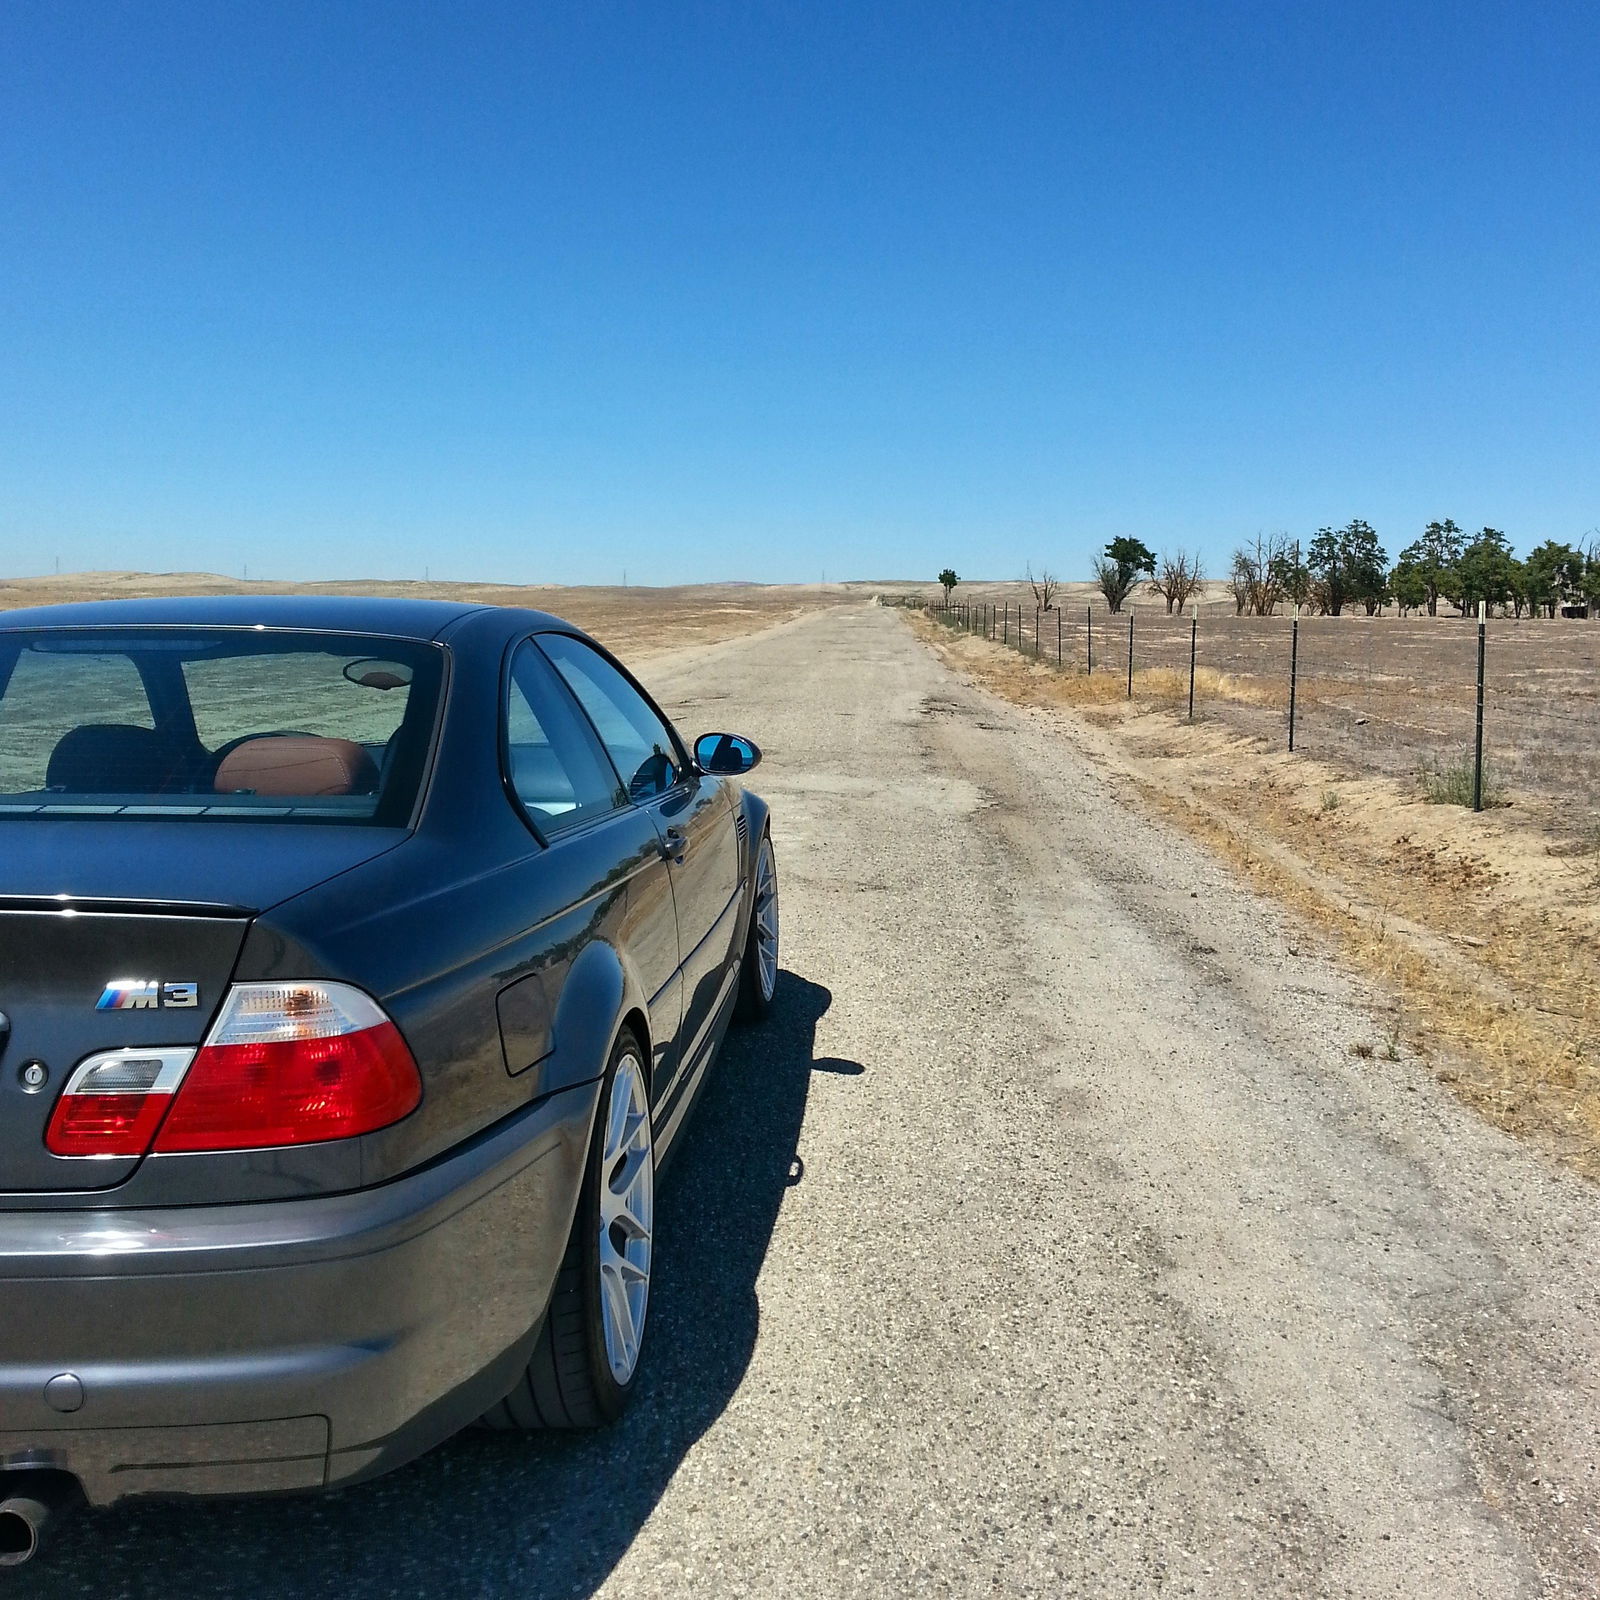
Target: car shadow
(547, 1514)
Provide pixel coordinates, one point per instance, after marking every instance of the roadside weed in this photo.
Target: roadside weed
(1449, 783)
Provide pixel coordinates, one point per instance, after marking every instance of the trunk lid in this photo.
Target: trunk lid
(65, 977)
(179, 861)
(86, 905)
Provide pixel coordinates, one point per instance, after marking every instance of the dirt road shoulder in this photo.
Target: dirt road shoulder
(1486, 938)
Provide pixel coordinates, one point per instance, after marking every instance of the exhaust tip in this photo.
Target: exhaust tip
(19, 1536)
(35, 1503)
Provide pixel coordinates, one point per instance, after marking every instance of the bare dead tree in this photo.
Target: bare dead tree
(1113, 582)
(1177, 579)
(1259, 572)
(1044, 586)
(1239, 583)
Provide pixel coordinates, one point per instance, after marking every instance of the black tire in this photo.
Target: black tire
(569, 1382)
(755, 995)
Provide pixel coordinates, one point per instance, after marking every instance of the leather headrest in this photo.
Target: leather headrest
(298, 765)
(115, 758)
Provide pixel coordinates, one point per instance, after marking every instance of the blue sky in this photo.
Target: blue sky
(695, 291)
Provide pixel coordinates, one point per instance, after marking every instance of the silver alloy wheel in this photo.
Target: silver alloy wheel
(766, 917)
(627, 1217)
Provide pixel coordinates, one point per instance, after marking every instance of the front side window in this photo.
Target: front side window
(639, 742)
(557, 771)
(214, 723)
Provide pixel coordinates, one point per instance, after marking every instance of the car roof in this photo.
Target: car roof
(391, 616)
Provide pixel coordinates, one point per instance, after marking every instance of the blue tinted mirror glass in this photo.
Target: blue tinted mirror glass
(726, 754)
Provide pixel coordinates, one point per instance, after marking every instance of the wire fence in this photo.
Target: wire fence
(1497, 707)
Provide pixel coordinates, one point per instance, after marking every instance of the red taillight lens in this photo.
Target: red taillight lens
(294, 1091)
(106, 1124)
(284, 1063)
(114, 1102)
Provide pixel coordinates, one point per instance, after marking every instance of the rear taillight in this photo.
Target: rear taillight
(284, 1063)
(114, 1102)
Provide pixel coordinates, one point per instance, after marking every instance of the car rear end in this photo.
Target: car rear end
(218, 1277)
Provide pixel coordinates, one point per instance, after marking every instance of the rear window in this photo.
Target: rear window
(214, 723)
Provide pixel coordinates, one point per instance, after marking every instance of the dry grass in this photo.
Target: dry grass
(635, 622)
(1484, 930)
(1376, 695)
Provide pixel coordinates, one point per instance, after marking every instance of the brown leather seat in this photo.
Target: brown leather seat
(297, 765)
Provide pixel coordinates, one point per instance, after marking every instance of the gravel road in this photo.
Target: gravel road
(1049, 1241)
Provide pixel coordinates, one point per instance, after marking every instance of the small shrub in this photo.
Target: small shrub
(1363, 1050)
(1330, 799)
(1449, 783)
(1391, 1042)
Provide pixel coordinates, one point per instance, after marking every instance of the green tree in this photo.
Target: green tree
(1591, 574)
(949, 579)
(1348, 565)
(1366, 565)
(1325, 562)
(1486, 571)
(1432, 557)
(1408, 585)
(1292, 576)
(1554, 575)
(1125, 561)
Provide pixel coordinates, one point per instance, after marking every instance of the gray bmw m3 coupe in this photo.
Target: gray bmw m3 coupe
(360, 963)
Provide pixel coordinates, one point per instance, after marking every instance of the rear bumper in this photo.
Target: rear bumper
(253, 1348)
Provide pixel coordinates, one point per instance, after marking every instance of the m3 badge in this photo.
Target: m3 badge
(147, 994)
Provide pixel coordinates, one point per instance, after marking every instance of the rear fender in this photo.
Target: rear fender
(598, 993)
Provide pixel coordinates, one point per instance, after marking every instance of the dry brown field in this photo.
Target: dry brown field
(636, 622)
(1384, 696)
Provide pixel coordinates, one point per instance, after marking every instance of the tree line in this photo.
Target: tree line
(1345, 568)
(1348, 567)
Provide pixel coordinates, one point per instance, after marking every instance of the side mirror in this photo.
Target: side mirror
(726, 755)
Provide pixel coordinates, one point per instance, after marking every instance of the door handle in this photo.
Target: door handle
(674, 842)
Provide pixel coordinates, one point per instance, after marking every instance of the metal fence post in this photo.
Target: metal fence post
(1130, 655)
(1477, 752)
(1294, 668)
(1005, 624)
(1194, 639)
(1058, 636)
(1036, 633)
(1090, 611)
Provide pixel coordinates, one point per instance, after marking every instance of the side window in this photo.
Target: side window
(639, 743)
(557, 771)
